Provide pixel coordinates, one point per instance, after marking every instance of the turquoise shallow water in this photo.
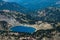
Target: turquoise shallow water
(23, 29)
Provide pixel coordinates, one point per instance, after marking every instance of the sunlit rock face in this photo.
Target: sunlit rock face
(45, 26)
(5, 15)
(9, 20)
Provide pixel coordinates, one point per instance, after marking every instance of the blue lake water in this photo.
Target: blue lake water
(23, 29)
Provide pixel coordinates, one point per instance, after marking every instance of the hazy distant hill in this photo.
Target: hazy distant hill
(12, 6)
(35, 4)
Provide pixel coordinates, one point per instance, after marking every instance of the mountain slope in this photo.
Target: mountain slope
(50, 14)
(43, 18)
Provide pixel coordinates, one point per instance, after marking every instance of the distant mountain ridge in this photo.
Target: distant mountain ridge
(12, 6)
(35, 4)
